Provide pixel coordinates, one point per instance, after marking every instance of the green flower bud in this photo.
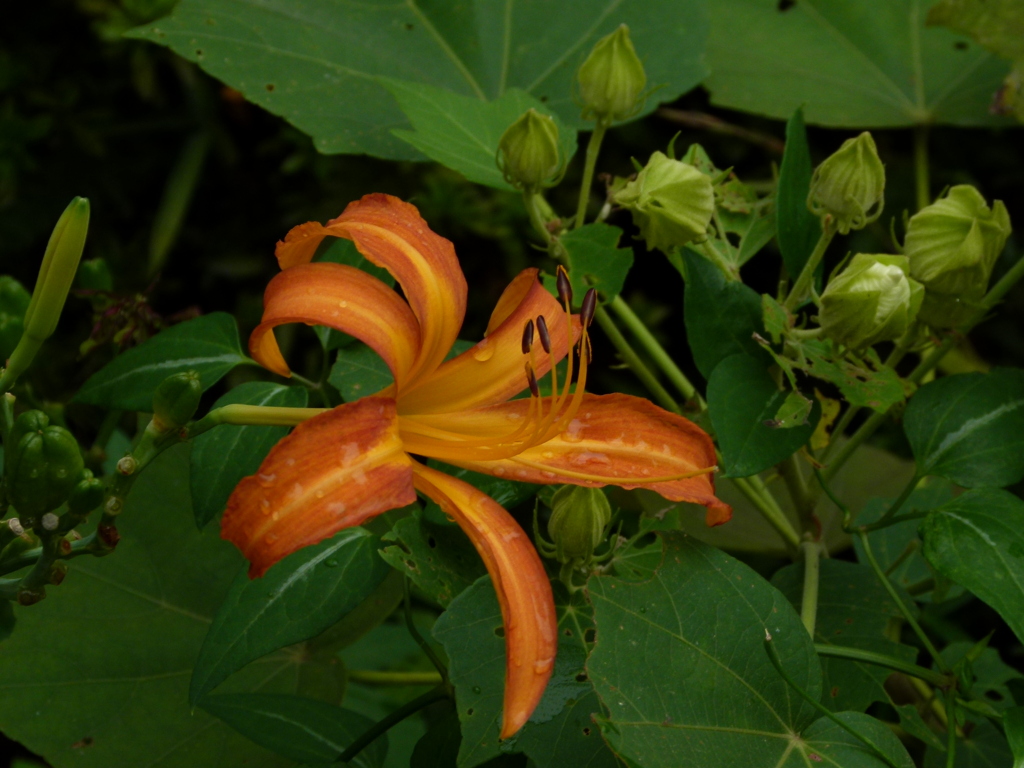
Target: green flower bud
(44, 464)
(86, 495)
(849, 185)
(579, 521)
(529, 156)
(176, 400)
(612, 79)
(872, 300)
(953, 243)
(14, 300)
(94, 275)
(671, 202)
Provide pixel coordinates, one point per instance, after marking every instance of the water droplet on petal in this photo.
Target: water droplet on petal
(483, 352)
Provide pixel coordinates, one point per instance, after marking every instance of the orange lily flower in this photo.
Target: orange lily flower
(352, 462)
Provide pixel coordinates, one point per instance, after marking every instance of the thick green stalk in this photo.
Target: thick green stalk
(803, 501)
(662, 359)
(759, 495)
(384, 725)
(240, 414)
(806, 279)
(812, 570)
(632, 359)
(881, 660)
(589, 163)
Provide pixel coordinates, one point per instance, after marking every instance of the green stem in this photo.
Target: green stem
(881, 660)
(951, 727)
(727, 269)
(632, 359)
(423, 644)
(803, 502)
(806, 279)
(755, 490)
(809, 601)
(373, 677)
(240, 414)
(773, 657)
(593, 149)
(921, 170)
(888, 518)
(385, 724)
(662, 359)
(925, 640)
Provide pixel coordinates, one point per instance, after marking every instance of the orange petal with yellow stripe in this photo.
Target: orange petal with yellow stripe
(392, 234)
(344, 298)
(613, 440)
(332, 472)
(524, 592)
(494, 370)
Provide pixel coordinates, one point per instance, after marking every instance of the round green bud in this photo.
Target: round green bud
(871, 300)
(176, 400)
(44, 464)
(86, 495)
(14, 300)
(849, 185)
(94, 275)
(671, 202)
(953, 243)
(528, 153)
(579, 521)
(612, 79)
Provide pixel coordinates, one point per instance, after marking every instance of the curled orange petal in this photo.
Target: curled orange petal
(524, 592)
(344, 298)
(613, 440)
(300, 244)
(332, 472)
(493, 370)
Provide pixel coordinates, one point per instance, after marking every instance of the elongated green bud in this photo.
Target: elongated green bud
(60, 262)
(529, 156)
(612, 78)
(849, 185)
(43, 466)
(871, 300)
(671, 202)
(176, 400)
(579, 522)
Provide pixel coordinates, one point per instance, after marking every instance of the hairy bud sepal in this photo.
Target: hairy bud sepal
(671, 202)
(849, 185)
(529, 155)
(612, 79)
(871, 300)
(579, 523)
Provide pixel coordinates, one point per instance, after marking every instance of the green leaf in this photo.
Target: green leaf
(572, 739)
(6, 619)
(828, 743)
(721, 315)
(760, 232)
(977, 540)
(224, 455)
(854, 611)
(776, 317)
(112, 648)
(794, 412)
(472, 635)
(681, 666)
(969, 428)
(439, 747)
(438, 557)
(1013, 723)
(991, 674)
(798, 228)
(208, 345)
(303, 730)
(741, 398)
(462, 132)
(297, 599)
(318, 64)
(596, 261)
(850, 63)
(359, 371)
(999, 25)
(985, 747)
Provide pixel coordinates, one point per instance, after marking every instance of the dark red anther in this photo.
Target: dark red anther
(563, 285)
(108, 535)
(542, 331)
(588, 308)
(527, 337)
(531, 379)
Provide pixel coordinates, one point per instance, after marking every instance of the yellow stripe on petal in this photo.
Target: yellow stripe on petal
(524, 592)
(612, 440)
(340, 297)
(493, 370)
(332, 472)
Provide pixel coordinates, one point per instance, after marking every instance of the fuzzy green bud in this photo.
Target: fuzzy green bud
(671, 202)
(14, 301)
(176, 400)
(86, 495)
(43, 466)
(579, 522)
(849, 185)
(60, 262)
(612, 79)
(871, 300)
(529, 156)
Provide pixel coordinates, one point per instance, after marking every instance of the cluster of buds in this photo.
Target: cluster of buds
(873, 299)
(952, 245)
(671, 201)
(849, 186)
